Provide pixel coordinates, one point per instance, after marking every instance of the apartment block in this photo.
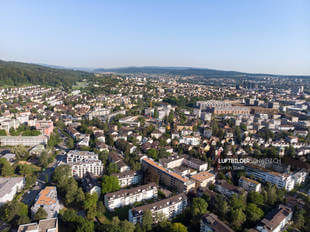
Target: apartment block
(234, 110)
(22, 140)
(83, 162)
(45, 225)
(177, 161)
(203, 179)
(203, 105)
(129, 178)
(211, 223)
(167, 177)
(169, 208)
(45, 127)
(249, 184)
(276, 220)
(9, 186)
(126, 197)
(281, 180)
(47, 199)
(227, 189)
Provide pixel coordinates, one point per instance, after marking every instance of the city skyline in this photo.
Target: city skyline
(261, 37)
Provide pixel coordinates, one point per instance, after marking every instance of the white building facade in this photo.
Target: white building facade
(83, 162)
(9, 186)
(168, 208)
(130, 196)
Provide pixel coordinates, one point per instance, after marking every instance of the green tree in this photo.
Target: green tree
(40, 214)
(61, 175)
(53, 140)
(23, 220)
(171, 117)
(101, 210)
(199, 207)
(43, 159)
(30, 181)
(80, 196)
(152, 153)
(112, 168)
(70, 190)
(13, 209)
(237, 202)
(271, 194)
(70, 143)
(126, 226)
(156, 113)
(299, 218)
(256, 198)
(223, 208)
(253, 213)
(109, 184)
(85, 225)
(25, 169)
(21, 152)
(237, 218)
(5, 168)
(90, 205)
(3, 133)
(178, 227)
(147, 220)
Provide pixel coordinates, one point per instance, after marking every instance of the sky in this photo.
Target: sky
(261, 36)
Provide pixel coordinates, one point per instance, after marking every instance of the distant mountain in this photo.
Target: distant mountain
(188, 71)
(17, 73)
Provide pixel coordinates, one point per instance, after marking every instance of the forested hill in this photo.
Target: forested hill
(17, 74)
(187, 71)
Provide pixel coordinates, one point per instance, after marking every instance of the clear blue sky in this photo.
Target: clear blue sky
(246, 35)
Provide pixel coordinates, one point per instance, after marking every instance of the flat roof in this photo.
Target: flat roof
(201, 176)
(175, 175)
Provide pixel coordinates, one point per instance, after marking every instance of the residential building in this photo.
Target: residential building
(98, 112)
(169, 208)
(203, 105)
(276, 220)
(190, 140)
(130, 121)
(178, 160)
(234, 110)
(90, 184)
(9, 186)
(203, 179)
(47, 199)
(128, 178)
(249, 184)
(211, 223)
(119, 161)
(45, 225)
(126, 197)
(83, 162)
(167, 177)
(6, 124)
(227, 189)
(22, 140)
(281, 180)
(45, 127)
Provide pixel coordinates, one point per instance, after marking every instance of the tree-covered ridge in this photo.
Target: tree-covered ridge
(17, 74)
(188, 71)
